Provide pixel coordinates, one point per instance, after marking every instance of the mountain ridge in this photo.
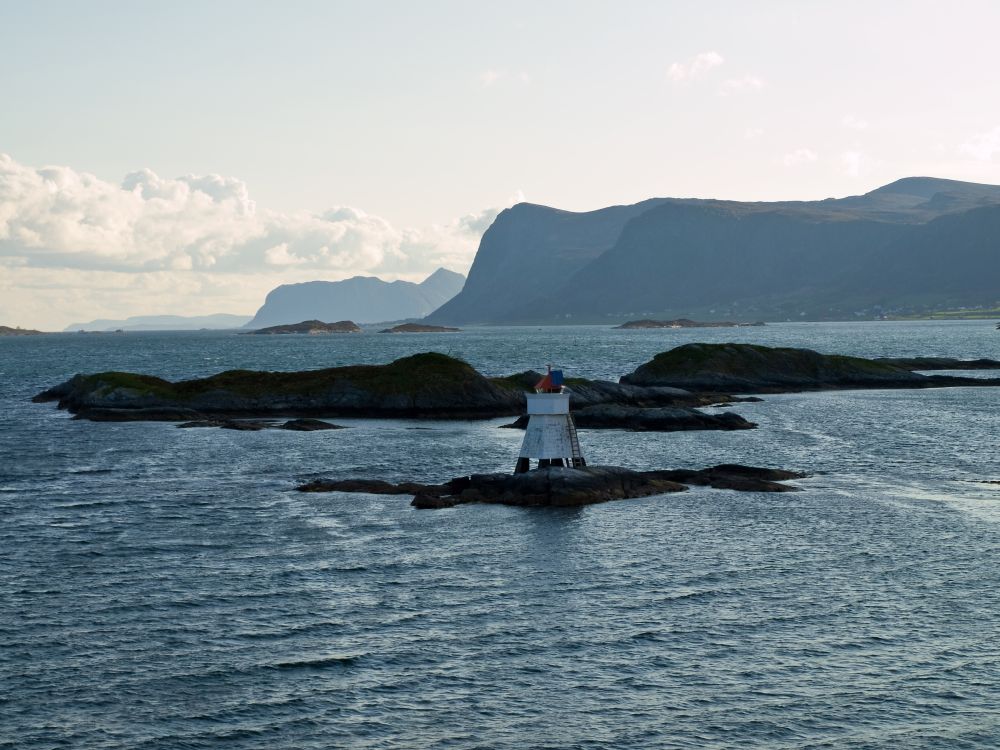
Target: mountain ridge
(680, 257)
(366, 299)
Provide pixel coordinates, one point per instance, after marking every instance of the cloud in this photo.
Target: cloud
(696, 67)
(852, 163)
(742, 85)
(798, 157)
(489, 77)
(753, 133)
(853, 122)
(198, 233)
(982, 146)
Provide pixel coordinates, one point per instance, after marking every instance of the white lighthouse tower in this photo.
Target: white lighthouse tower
(551, 435)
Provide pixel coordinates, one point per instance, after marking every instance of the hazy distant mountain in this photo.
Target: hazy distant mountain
(917, 244)
(163, 323)
(364, 299)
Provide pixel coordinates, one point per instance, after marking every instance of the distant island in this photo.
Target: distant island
(419, 328)
(8, 331)
(221, 321)
(312, 327)
(364, 298)
(684, 323)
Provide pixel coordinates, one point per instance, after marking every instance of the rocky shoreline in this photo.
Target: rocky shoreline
(309, 328)
(8, 331)
(560, 486)
(751, 368)
(423, 386)
(664, 394)
(648, 419)
(419, 328)
(685, 323)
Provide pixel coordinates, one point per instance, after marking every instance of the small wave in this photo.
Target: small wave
(323, 662)
(647, 635)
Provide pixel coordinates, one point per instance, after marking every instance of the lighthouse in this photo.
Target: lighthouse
(551, 435)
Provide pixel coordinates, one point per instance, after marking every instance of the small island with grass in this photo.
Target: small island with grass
(8, 331)
(752, 368)
(311, 328)
(419, 328)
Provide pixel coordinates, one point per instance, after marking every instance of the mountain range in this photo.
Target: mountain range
(163, 323)
(363, 299)
(913, 246)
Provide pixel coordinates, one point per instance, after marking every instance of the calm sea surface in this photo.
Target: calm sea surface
(166, 588)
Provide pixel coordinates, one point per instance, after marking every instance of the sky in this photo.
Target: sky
(187, 157)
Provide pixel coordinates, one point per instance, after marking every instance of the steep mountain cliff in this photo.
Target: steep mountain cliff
(917, 244)
(364, 299)
(525, 248)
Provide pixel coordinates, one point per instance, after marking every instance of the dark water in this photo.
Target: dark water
(164, 588)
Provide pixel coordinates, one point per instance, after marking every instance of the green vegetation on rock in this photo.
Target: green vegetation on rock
(751, 368)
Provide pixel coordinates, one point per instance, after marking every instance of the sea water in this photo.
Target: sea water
(167, 588)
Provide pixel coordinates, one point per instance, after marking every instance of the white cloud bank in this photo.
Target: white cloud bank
(742, 85)
(696, 67)
(982, 146)
(73, 246)
(799, 157)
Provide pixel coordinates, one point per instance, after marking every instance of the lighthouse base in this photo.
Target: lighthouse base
(523, 464)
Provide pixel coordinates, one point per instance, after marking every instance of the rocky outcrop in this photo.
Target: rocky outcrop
(750, 368)
(419, 328)
(584, 393)
(311, 327)
(683, 323)
(559, 486)
(940, 363)
(427, 385)
(655, 419)
(8, 331)
(255, 425)
(733, 477)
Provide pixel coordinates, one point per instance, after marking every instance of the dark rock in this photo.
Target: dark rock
(940, 363)
(244, 425)
(733, 477)
(370, 486)
(749, 368)
(309, 425)
(562, 486)
(427, 385)
(250, 425)
(311, 327)
(684, 323)
(148, 414)
(583, 393)
(419, 328)
(638, 419)
(8, 331)
(661, 419)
